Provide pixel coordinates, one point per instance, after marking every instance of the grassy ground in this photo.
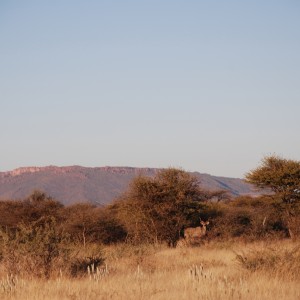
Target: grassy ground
(214, 271)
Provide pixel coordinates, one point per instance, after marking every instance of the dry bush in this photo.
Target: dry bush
(84, 259)
(36, 206)
(282, 261)
(87, 223)
(80, 221)
(34, 250)
(249, 219)
(109, 229)
(82, 266)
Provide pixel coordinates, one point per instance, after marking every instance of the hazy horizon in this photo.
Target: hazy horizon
(211, 87)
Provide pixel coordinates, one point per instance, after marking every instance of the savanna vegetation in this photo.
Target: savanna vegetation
(130, 249)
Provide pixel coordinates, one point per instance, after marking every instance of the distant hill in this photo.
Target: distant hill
(99, 185)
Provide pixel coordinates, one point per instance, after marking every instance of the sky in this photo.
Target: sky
(207, 86)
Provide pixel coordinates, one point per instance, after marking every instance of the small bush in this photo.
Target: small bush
(33, 250)
(81, 266)
(86, 259)
(282, 262)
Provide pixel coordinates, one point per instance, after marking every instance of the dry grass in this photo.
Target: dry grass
(147, 272)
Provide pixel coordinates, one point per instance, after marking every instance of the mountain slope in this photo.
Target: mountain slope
(97, 185)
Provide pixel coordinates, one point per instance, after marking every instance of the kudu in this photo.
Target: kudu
(193, 235)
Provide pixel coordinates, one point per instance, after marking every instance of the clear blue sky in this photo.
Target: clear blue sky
(209, 86)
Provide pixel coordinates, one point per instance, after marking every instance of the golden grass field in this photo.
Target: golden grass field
(211, 271)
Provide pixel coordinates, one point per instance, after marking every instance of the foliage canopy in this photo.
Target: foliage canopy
(281, 175)
(156, 209)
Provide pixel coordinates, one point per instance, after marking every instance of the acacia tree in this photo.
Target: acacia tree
(282, 176)
(156, 209)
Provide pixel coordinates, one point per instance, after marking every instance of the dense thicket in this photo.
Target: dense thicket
(82, 222)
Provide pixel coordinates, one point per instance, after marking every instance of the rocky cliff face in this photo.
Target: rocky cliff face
(72, 169)
(98, 185)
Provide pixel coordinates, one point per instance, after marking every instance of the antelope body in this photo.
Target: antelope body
(194, 235)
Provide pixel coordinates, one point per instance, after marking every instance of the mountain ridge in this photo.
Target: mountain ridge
(99, 185)
(66, 169)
